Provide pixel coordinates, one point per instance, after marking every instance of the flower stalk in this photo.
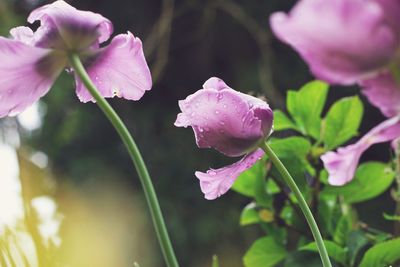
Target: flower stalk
(302, 203)
(150, 194)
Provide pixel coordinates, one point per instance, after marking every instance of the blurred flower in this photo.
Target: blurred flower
(232, 123)
(31, 61)
(342, 41)
(384, 93)
(342, 165)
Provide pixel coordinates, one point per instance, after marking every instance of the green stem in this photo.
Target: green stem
(137, 159)
(302, 203)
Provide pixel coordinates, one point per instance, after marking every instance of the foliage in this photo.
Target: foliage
(308, 133)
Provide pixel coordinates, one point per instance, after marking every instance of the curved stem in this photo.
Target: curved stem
(136, 157)
(302, 203)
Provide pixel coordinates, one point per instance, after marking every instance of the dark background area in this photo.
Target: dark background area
(185, 42)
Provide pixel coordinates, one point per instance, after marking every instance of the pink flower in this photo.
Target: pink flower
(342, 41)
(341, 165)
(31, 61)
(232, 123)
(384, 93)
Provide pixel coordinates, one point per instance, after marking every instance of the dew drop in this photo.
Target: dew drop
(217, 112)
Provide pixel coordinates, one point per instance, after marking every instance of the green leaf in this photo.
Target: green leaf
(264, 252)
(247, 181)
(355, 243)
(334, 250)
(282, 122)
(383, 254)
(342, 121)
(305, 106)
(342, 230)
(249, 215)
(297, 168)
(327, 212)
(391, 217)
(290, 146)
(371, 180)
(261, 195)
(272, 187)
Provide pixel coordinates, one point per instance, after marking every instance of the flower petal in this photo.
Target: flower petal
(120, 69)
(341, 165)
(215, 183)
(65, 27)
(342, 41)
(23, 34)
(26, 74)
(215, 83)
(384, 93)
(226, 120)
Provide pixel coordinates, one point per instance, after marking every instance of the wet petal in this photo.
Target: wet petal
(26, 74)
(65, 27)
(341, 165)
(384, 93)
(215, 183)
(342, 41)
(226, 120)
(215, 83)
(120, 69)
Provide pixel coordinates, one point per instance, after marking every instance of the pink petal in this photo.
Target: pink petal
(226, 120)
(26, 74)
(384, 93)
(120, 69)
(341, 165)
(65, 27)
(215, 83)
(23, 34)
(342, 41)
(215, 183)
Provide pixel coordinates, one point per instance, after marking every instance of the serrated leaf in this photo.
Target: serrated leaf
(371, 180)
(305, 107)
(334, 250)
(283, 122)
(383, 254)
(265, 252)
(342, 121)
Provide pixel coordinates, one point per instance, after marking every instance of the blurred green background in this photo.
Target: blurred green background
(105, 221)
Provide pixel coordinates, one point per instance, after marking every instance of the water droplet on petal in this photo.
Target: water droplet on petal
(217, 112)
